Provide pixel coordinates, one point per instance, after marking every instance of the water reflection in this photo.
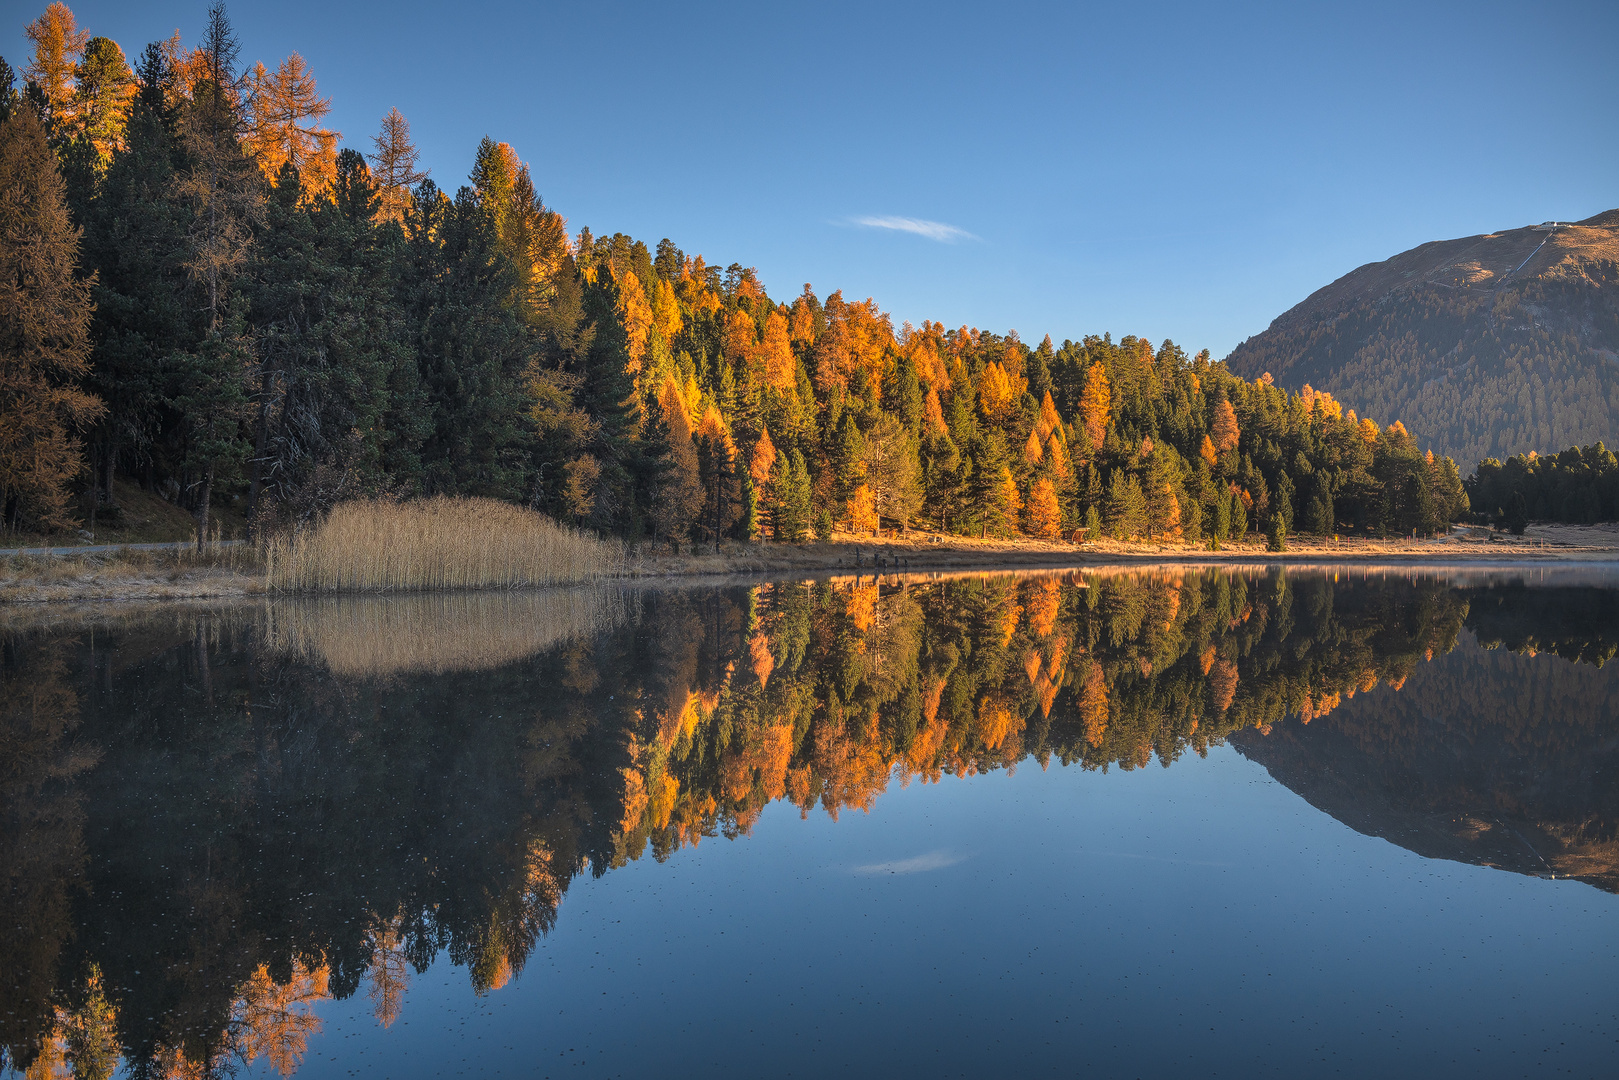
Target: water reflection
(215, 818)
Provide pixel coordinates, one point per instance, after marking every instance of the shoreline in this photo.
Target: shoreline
(97, 580)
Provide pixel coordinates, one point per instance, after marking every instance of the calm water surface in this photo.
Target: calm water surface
(1148, 823)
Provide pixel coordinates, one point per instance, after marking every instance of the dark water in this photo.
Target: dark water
(1155, 824)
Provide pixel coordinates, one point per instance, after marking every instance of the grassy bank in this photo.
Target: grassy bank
(444, 545)
(432, 544)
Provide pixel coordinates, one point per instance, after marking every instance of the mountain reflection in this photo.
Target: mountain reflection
(216, 818)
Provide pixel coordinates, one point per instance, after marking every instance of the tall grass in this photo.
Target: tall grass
(437, 543)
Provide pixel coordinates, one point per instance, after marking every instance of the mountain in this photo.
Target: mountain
(1483, 756)
(1486, 346)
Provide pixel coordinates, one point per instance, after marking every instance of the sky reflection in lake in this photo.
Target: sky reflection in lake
(905, 829)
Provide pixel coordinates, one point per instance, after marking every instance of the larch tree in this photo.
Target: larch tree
(1224, 431)
(394, 166)
(1042, 515)
(285, 128)
(1095, 406)
(58, 44)
(44, 332)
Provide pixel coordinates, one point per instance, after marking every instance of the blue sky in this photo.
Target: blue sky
(1181, 171)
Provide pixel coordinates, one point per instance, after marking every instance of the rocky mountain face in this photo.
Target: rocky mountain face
(1486, 346)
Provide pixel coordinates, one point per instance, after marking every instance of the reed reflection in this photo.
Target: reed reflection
(215, 819)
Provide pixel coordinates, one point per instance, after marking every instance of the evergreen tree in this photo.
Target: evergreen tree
(1126, 507)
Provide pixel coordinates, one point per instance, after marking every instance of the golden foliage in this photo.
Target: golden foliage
(1096, 406)
(1042, 516)
(776, 354)
(58, 43)
(275, 1021)
(999, 392)
(1045, 602)
(1314, 399)
(1207, 452)
(1093, 706)
(862, 510)
(740, 337)
(761, 460)
(934, 413)
(862, 606)
(1224, 430)
(763, 662)
(285, 129)
(636, 315)
(1223, 683)
(997, 721)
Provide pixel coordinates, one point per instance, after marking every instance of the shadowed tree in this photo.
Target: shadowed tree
(44, 332)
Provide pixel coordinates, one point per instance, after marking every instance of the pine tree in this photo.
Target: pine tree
(1239, 518)
(44, 332)
(135, 236)
(102, 102)
(1126, 507)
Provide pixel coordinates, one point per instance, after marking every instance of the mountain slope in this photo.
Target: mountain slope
(1484, 346)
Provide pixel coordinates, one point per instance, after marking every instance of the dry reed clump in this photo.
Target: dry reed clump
(437, 543)
(379, 636)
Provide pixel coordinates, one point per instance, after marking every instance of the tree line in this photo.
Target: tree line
(1580, 485)
(222, 303)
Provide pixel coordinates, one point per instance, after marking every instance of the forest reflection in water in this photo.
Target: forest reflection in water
(217, 818)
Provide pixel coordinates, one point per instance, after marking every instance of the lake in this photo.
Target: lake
(1138, 822)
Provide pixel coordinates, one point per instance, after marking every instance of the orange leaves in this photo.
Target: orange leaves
(740, 337)
(636, 315)
(1095, 406)
(276, 1021)
(862, 606)
(761, 460)
(934, 413)
(1045, 601)
(1368, 432)
(1223, 683)
(1224, 431)
(997, 721)
(856, 336)
(1314, 399)
(1093, 707)
(999, 392)
(285, 129)
(1042, 516)
(661, 803)
(776, 354)
(862, 510)
(760, 658)
(1207, 452)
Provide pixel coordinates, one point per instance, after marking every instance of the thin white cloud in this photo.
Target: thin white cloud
(916, 864)
(933, 230)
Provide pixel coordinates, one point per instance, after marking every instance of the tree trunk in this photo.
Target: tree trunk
(202, 506)
(260, 437)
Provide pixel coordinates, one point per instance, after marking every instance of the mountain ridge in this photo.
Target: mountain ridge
(1483, 346)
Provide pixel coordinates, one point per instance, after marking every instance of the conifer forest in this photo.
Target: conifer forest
(210, 293)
